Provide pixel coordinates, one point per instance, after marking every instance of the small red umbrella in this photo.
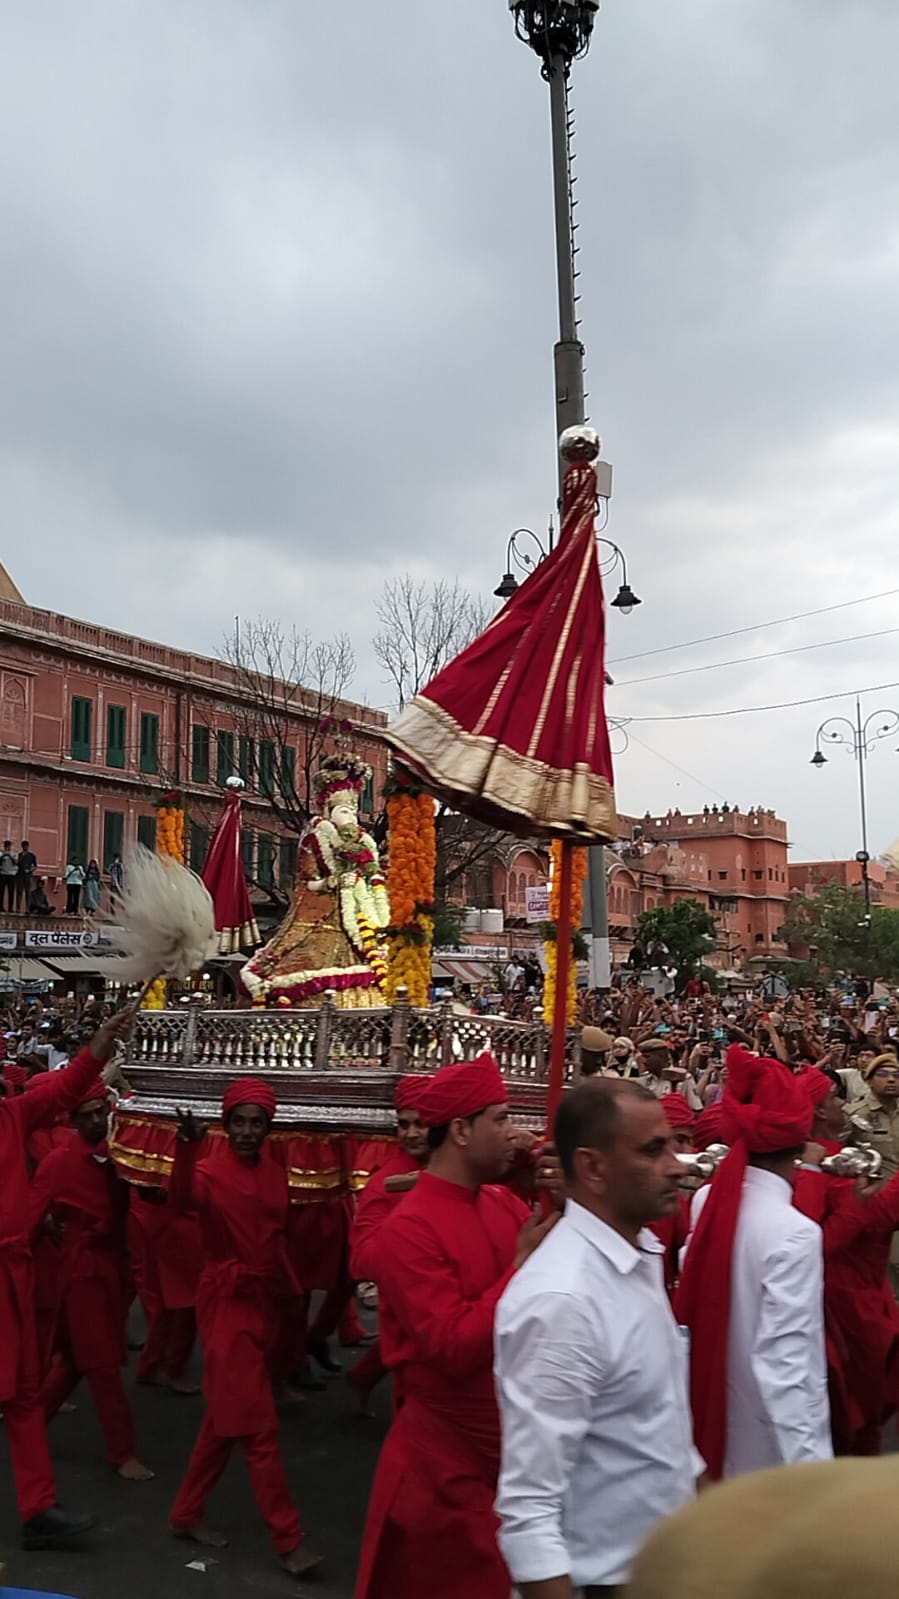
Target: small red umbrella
(226, 881)
(513, 730)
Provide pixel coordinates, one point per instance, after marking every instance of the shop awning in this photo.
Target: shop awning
(462, 970)
(25, 969)
(85, 963)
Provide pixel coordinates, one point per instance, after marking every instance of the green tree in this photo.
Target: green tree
(686, 927)
(831, 925)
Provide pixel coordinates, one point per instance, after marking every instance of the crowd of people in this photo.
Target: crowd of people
(566, 1375)
(23, 891)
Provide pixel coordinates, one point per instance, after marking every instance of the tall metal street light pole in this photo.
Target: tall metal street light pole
(559, 32)
(858, 738)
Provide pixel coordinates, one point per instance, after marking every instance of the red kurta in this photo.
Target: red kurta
(375, 1205)
(20, 1375)
(673, 1232)
(445, 1256)
(90, 1200)
(244, 1279)
(861, 1315)
(244, 1286)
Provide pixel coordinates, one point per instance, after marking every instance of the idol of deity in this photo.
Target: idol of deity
(331, 938)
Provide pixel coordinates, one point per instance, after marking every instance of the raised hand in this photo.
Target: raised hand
(190, 1131)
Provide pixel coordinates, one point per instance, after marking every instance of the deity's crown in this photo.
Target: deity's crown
(340, 774)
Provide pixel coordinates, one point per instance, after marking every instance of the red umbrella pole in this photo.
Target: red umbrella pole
(560, 1010)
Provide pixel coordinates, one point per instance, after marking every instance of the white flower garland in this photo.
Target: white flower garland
(359, 891)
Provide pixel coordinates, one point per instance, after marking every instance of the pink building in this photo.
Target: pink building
(95, 724)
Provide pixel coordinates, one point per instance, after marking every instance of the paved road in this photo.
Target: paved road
(330, 1455)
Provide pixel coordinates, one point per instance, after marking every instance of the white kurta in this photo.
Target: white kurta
(777, 1406)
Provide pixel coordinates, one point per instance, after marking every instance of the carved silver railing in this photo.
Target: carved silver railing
(398, 1039)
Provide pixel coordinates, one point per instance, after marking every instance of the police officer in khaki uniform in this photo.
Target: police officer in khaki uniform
(874, 1120)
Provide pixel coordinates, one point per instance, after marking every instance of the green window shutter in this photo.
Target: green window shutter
(77, 834)
(146, 832)
(287, 863)
(246, 757)
(266, 869)
(367, 802)
(266, 766)
(149, 742)
(288, 774)
(246, 853)
(82, 715)
(199, 753)
(224, 768)
(113, 836)
(115, 736)
(199, 844)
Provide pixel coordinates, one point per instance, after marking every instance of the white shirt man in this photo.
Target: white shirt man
(778, 1411)
(590, 1366)
(752, 1285)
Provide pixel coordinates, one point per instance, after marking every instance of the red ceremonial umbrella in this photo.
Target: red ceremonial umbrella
(513, 731)
(226, 881)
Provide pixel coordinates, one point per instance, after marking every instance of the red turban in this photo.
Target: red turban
(462, 1090)
(763, 1110)
(815, 1085)
(96, 1090)
(677, 1110)
(249, 1091)
(409, 1090)
(763, 1103)
(709, 1127)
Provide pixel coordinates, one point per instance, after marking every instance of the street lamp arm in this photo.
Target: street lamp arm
(832, 730)
(523, 560)
(889, 722)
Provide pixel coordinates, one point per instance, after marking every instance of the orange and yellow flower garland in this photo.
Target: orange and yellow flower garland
(578, 873)
(410, 882)
(170, 845)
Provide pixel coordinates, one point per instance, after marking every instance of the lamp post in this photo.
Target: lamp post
(858, 738)
(559, 32)
(625, 600)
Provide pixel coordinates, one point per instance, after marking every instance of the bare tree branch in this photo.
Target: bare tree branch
(422, 627)
(289, 688)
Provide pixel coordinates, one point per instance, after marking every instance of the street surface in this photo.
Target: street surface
(330, 1454)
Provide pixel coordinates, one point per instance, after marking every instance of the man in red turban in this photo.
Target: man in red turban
(78, 1187)
(672, 1231)
(245, 1286)
(752, 1286)
(376, 1203)
(861, 1315)
(444, 1258)
(45, 1524)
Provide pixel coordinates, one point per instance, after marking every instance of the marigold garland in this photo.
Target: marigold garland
(169, 844)
(578, 873)
(413, 862)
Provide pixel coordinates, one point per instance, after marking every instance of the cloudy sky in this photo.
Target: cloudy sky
(276, 319)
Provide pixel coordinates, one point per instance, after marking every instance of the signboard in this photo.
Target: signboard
(58, 938)
(474, 952)
(7, 940)
(536, 902)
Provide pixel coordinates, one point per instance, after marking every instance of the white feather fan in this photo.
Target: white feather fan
(168, 919)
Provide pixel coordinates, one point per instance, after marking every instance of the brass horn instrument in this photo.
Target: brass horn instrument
(858, 1160)
(703, 1162)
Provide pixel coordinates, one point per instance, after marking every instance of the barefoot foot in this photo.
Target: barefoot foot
(301, 1562)
(134, 1470)
(182, 1385)
(200, 1533)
